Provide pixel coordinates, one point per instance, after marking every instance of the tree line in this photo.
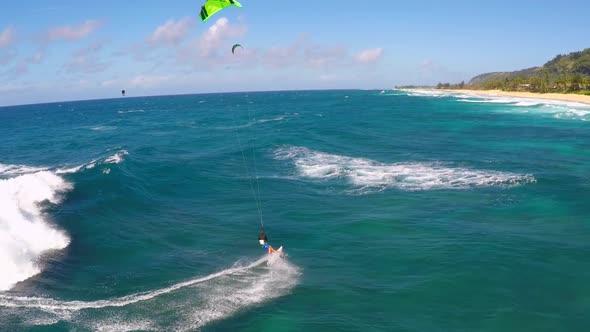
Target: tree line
(574, 83)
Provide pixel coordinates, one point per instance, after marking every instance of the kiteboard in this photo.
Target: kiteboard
(275, 256)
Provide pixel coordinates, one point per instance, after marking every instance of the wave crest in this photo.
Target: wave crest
(24, 233)
(117, 158)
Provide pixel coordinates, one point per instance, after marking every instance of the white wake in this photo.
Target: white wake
(195, 302)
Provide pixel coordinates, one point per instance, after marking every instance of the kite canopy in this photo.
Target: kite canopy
(213, 6)
(234, 48)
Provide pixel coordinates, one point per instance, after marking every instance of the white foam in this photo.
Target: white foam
(69, 170)
(527, 103)
(120, 325)
(227, 296)
(559, 109)
(103, 128)
(516, 101)
(117, 158)
(196, 302)
(12, 170)
(24, 232)
(571, 113)
(279, 118)
(369, 175)
(256, 122)
(131, 111)
(425, 93)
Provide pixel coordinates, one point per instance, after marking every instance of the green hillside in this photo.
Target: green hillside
(564, 73)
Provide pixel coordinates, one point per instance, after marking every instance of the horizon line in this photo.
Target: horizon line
(189, 94)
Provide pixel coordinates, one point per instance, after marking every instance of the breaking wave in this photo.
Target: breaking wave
(558, 109)
(25, 231)
(117, 158)
(372, 175)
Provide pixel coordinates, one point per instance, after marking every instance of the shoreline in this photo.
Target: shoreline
(584, 99)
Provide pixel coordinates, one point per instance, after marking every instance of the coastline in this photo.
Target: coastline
(584, 99)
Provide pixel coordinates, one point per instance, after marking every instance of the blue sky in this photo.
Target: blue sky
(70, 50)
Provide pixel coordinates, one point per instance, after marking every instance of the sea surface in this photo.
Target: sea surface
(397, 211)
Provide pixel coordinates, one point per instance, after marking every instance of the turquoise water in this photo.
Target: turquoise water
(397, 211)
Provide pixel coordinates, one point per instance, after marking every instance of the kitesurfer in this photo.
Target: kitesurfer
(262, 239)
(269, 248)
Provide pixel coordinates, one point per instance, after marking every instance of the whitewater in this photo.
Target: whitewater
(26, 232)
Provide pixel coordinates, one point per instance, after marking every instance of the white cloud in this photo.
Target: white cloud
(14, 87)
(217, 34)
(319, 57)
(303, 53)
(281, 56)
(369, 56)
(171, 32)
(138, 82)
(7, 57)
(7, 37)
(146, 81)
(19, 69)
(85, 60)
(69, 32)
(327, 78)
(37, 57)
(21, 66)
(213, 48)
(92, 48)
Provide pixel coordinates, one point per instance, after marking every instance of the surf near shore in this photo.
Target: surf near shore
(499, 93)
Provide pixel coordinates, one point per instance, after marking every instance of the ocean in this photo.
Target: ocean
(397, 211)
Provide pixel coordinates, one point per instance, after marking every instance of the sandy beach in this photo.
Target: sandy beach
(550, 96)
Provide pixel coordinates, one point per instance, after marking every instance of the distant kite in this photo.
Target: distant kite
(233, 49)
(213, 6)
(123, 93)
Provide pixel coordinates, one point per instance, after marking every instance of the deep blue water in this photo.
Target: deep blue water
(397, 211)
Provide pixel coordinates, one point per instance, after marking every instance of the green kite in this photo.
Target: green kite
(213, 6)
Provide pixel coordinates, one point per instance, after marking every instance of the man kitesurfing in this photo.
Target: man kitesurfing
(209, 8)
(262, 239)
